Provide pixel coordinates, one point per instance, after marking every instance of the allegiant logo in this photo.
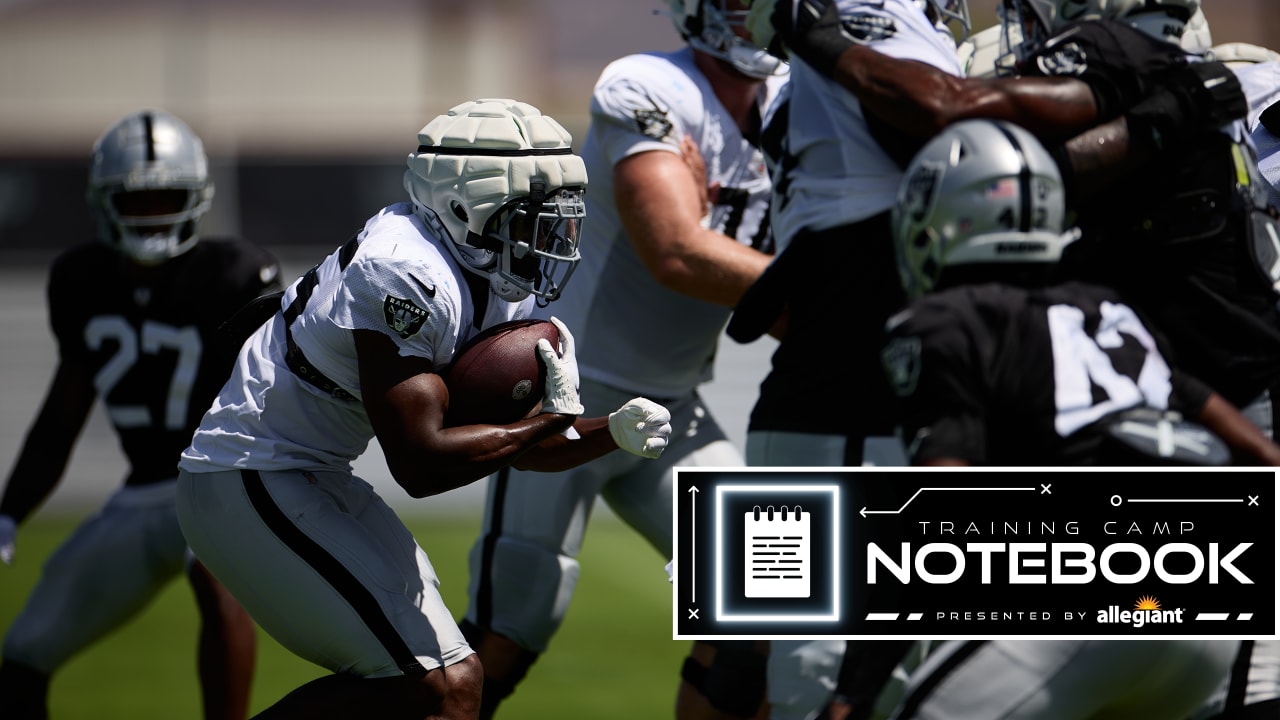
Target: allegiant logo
(1146, 611)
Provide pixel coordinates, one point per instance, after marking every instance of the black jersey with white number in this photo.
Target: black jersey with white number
(149, 337)
(1000, 375)
(1188, 240)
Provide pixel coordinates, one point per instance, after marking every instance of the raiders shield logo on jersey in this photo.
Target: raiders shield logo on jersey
(653, 123)
(1067, 59)
(866, 27)
(901, 360)
(403, 316)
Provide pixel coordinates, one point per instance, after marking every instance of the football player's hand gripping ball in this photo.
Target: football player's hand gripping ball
(8, 533)
(641, 427)
(562, 374)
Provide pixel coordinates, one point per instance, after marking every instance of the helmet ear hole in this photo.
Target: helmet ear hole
(458, 210)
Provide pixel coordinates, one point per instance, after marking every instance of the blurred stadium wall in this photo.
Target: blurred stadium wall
(307, 107)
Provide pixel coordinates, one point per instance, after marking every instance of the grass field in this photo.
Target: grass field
(613, 658)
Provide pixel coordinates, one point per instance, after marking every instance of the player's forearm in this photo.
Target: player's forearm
(560, 453)
(711, 268)
(39, 467)
(921, 99)
(441, 460)
(1247, 442)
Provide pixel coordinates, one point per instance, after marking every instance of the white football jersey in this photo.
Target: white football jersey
(633, 333)
(397, 278)
(841, 173)
(1261, 84)
(1268, 149)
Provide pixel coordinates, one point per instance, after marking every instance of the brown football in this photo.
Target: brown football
(496, 377)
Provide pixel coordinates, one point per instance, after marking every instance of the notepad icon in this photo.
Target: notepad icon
(777, 552)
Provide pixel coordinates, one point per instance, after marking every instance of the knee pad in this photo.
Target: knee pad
(521, 590)
(734, 683)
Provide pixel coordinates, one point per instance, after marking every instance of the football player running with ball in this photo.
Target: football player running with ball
(137, 320)
(354, 350)
(660, 273)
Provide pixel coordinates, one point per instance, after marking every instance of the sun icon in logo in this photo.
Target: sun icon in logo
(1146, 602)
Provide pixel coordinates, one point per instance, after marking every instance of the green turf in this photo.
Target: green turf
(613, 657)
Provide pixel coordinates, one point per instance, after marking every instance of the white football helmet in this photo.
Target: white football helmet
(711, 26)
(1196, 36)
(1030, 23)
(981, 191)
(149, 186)
(501, 181)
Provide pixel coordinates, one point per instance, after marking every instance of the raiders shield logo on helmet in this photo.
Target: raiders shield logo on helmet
(901, 360)
(403, 316)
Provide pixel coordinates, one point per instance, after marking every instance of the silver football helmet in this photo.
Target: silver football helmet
(499, 180)
(712, 26)
(1030, 23)
(149, 186)
(981, 191)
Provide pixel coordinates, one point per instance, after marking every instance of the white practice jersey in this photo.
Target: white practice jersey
(1267, 145)
(635, 334)
(1261, 84)
(397, 278)
(841, 175)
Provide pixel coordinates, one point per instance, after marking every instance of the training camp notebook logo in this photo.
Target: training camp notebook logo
(915, 553)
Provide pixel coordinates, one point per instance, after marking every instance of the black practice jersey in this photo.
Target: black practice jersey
(150, 337)
(1000, 375)
(1187, 241)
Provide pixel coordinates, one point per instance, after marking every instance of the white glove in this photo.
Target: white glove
(561, 394)
(641, 427)
(8, 533)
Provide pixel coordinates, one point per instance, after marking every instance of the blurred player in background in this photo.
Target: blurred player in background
(880, 92)
(838, 172)
(995, 364)
(987, 283)
(1189, 240)
(660, 271)
(353, 351)
(137, 320)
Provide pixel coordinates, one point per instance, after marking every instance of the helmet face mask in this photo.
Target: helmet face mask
(499, 182)
(952, 11)
(718, 28)
(149, 186)
(982, 192)
(534, 241)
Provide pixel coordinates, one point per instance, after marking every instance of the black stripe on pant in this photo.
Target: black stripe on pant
(333, 571)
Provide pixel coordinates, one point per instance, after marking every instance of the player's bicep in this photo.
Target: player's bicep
(402, 394)
(658, 202)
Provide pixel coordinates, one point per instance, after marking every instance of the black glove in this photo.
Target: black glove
(1200, 97)
(814, 32)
